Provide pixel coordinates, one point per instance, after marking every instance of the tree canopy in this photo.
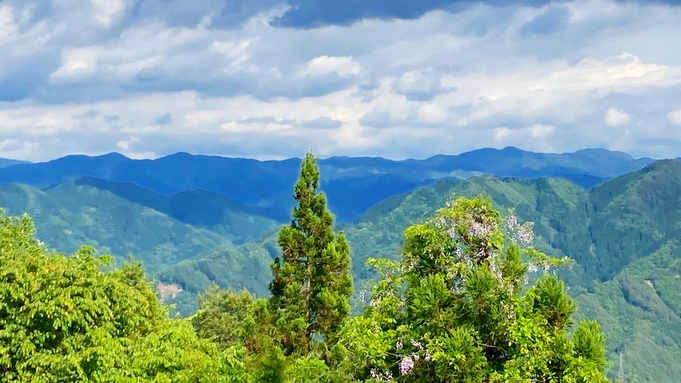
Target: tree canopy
(459, 308)
(78, 319)
(471, 300)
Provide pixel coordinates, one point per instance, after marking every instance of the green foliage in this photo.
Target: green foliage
(455, 309)
(76, 319)
(311, 282)
(222, 314)
(625, 227)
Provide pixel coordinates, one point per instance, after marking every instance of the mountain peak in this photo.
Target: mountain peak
(599, 152)
(113, 155)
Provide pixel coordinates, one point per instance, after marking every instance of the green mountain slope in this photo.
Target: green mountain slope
(245, 266)
(622, 236)
(633, 216)
(69, 215)
(640, 313)
(202, 209)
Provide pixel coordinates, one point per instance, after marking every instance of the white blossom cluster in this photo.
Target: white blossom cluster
(380, 375)
(510, 314)
(407, 363)
(533, 268)
(522, 234)
(480, 230)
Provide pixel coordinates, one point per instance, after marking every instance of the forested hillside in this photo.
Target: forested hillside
(622, 236)
(353, 185)
(459, 305)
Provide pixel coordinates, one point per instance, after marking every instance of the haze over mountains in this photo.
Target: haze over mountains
(352, 184)
(197, 220)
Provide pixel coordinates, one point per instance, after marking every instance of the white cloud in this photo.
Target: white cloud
(675, 117)
(77, 63)
(344, 66)
(616, 117)
(106, 12)
(8, 28)
(432, 113)
(401, 88)
(236, 54)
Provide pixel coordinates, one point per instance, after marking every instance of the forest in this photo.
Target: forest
(470, 298)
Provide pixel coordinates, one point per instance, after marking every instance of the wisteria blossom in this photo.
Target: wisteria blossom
(481, 230)
(521, 234)
(380, 375)
(407, 364)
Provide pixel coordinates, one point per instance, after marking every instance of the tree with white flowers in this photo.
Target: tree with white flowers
(457, 308)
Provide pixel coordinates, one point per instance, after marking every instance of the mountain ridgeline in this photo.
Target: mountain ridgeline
(458, 306)
(622, 236)
(194, 221)
(352, 184)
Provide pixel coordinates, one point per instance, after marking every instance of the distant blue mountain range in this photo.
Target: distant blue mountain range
(5, 162)
(352, 184)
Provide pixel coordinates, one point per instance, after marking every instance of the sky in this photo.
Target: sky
(399, 79)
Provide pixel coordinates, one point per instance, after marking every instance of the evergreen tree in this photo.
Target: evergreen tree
(311, 283)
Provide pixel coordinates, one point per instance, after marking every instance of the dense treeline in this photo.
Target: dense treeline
(458, 307)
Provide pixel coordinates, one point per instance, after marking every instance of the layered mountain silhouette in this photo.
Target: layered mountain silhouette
(352, 184)
(5, 162)
(197, 220)
(622, 235)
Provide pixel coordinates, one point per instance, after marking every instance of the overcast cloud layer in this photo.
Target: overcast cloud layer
(391, 78)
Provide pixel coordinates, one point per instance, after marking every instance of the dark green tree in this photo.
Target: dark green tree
(311, 284)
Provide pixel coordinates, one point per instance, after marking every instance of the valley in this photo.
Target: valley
(194, 221)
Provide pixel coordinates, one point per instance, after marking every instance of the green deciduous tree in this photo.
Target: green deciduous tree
(311, 282)
(458, 308)
(222, 314)
(78, 319)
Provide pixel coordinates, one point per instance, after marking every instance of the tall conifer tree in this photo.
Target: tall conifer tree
(311, 284)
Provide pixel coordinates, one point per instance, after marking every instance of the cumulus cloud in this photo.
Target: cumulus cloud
(106, 12)
(616, 117)
(421, 85)
(398, 79)
(343, 66)
(675, 117)
(8, 28)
